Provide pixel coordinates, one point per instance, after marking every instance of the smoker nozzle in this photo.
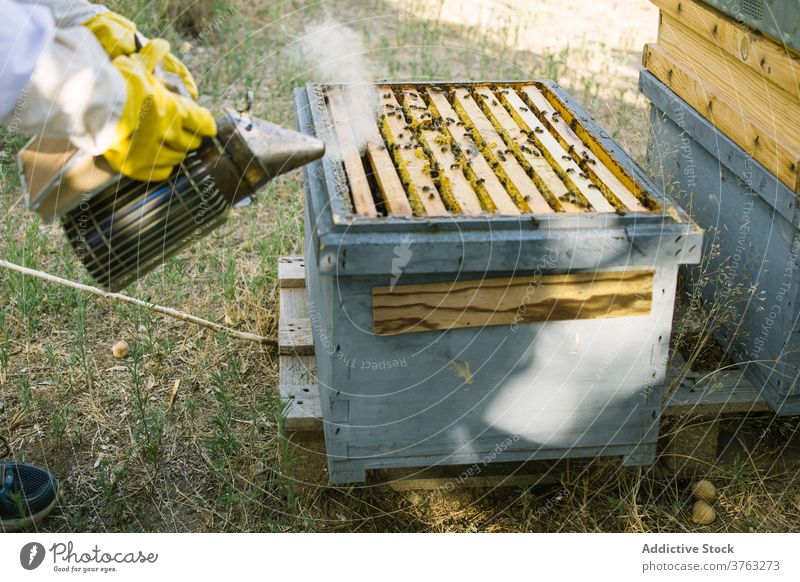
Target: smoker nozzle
(264, 150)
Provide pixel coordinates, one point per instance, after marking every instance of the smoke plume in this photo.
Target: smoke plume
(335, 54)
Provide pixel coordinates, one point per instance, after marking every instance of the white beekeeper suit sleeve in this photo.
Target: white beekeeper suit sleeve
(57, 81)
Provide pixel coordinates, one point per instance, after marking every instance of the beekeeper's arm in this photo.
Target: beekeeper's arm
(60, 81)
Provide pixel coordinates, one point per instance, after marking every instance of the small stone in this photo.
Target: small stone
(120, 349)
(704, 491)
(703, 513)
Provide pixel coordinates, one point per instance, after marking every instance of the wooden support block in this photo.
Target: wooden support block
(771, 60)
(351, 157)
(593, 166)
(712, 393)
(691, 447)
(294, 325)
(569, 171)
(511, 300)
(291, 272)
(493, 193)
(453, 181)
(517, 182)
(547, 181)
(414, 169)
(300, 393)
(780, 158)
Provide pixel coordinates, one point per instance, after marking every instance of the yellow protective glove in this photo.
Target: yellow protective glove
(157, 127)
(117, 34)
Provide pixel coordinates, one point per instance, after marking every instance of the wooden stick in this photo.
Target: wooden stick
(174, 313)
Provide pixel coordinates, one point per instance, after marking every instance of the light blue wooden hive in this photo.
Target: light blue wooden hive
(751, 219)
(473, 381)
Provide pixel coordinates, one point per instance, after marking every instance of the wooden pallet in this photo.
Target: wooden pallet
(699, 406)
(470, 149)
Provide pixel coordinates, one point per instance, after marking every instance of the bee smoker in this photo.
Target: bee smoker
(121, 228)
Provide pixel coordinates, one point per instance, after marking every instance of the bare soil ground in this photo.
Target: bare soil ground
(128, 461)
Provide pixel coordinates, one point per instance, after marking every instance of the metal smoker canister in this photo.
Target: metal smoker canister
(126, 228)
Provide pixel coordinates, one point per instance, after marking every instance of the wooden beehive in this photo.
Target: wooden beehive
(490, 277)
(751, 283)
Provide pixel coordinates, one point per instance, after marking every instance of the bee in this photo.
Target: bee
(571, 149)
(501, 155)
(592, 161)
(426, 188)
(594, 186)
(459, 123)
(484, 95)
(523, 109)
(453, 166)
(494, 102)
(570, 170)
(431, 196)
(400, 135)
(407, 146)
(443, 149)
(565, 157)
(527, 198)
(584, 175)
(539, 129)
(507, 151)
(479, 181)
(387, 95)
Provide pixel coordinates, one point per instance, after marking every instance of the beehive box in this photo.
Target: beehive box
(777, 18)
(750, 277)
(744, 83)
(491, 279)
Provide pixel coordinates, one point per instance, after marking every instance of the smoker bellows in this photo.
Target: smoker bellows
(121, 229)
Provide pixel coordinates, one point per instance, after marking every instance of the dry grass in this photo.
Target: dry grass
(129, 462)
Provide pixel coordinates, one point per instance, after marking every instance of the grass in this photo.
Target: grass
(128, 460)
